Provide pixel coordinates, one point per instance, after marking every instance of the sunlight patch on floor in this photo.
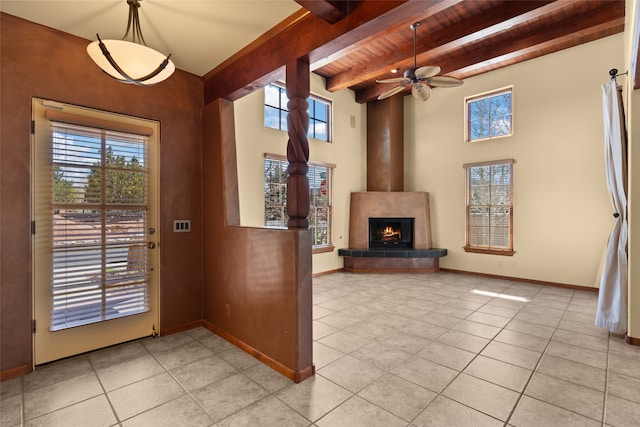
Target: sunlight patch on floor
(503, 296)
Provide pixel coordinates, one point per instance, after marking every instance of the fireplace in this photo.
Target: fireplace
(391, 233)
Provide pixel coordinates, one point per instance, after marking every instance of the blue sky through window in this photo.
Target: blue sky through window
(490, 116)
(275, 113)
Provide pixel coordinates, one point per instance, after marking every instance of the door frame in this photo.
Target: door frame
(107, 332)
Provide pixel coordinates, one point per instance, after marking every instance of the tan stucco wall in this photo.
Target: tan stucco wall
(347, 152)
(562, 212)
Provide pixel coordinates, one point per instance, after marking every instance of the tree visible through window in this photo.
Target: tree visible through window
(490, 207)
(275, 112)
(489, 116)
(275, 198)
(126, 180)
(98, 221)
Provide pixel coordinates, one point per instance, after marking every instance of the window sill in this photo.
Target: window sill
(489, 251)
(488, 138)
(322, 249)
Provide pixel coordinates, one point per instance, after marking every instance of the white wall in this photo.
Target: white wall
(347, 152)
(562, 210)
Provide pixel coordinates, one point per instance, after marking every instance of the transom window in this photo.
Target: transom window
(490, 207)
(489, 115)
(320, 185)
(275, 112)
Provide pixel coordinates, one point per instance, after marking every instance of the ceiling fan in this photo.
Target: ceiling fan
(421, 78)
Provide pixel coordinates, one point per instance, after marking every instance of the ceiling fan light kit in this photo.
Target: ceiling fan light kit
(421, 79)
(131, 61)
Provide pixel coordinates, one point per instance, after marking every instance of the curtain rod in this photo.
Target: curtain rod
(614, 73)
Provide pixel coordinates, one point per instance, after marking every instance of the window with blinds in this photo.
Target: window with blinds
(489, 206)
(99, 222)
(275, 198)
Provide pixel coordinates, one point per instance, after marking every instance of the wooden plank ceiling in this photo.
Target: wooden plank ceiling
(354, 43)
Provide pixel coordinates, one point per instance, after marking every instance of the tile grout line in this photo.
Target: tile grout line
(474, 358)
(385, 372)
(537, 365)
(69, 405)
(549, 340)
(483, 348)
(438, 394)
(606, 383)
(22, 414)
(144, 379)
(187, 392)
(535, 368)
(558, 328)
(104, 391)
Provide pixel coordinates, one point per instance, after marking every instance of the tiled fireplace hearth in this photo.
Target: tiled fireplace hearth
(378, 227)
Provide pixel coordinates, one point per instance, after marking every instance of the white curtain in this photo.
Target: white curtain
(612, 298)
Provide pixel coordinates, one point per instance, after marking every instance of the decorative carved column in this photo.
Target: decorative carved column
(298, 87)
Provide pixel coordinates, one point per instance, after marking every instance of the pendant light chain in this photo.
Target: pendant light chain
(135, 60)
(134, 22)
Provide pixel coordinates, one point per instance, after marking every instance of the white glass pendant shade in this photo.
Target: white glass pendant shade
(137, 61)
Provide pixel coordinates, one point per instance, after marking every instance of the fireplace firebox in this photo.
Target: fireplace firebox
(391, 233)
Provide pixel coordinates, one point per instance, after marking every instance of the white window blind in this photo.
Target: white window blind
(320, 177)
(275, 192)
(99, 225)
(320, 187)
(490, 207)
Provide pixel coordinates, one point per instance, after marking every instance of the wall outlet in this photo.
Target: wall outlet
(181, 225)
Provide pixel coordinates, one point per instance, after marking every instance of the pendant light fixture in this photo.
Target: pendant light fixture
(131, 61)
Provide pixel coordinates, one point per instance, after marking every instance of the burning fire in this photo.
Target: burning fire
(390, 234)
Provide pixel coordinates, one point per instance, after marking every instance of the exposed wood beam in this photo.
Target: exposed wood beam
(559, 43)
(302, 34)
(402, 17)
(224, 72)
(330, 11)
(506, 15)
(469, 60)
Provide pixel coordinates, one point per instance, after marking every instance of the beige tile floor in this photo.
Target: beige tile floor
(390, 350)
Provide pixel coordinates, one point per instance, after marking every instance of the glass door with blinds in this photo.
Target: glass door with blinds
(95, 229)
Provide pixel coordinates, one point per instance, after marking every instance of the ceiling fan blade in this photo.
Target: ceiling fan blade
(428, 71)
(444, 81)
(394, 80)
(391, 92)
(421, 91)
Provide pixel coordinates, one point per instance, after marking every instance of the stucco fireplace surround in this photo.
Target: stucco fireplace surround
(359, 257)
(385, 198)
